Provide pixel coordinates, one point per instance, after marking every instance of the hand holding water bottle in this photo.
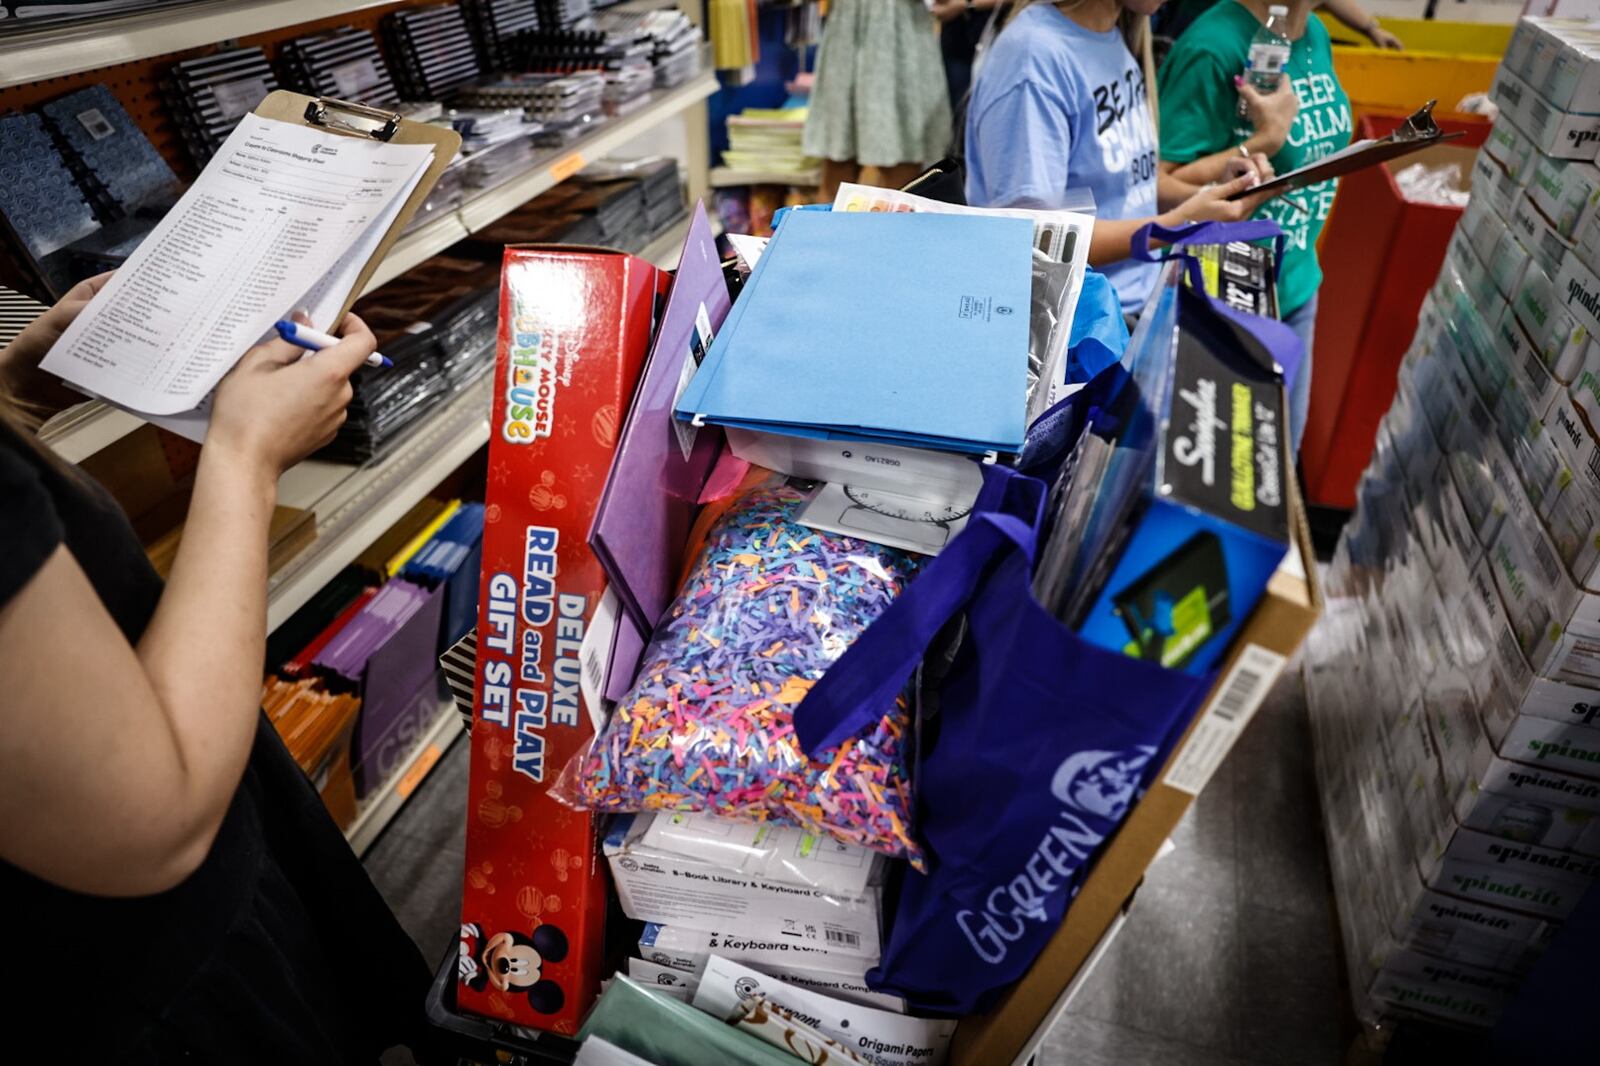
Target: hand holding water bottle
(1271, 115)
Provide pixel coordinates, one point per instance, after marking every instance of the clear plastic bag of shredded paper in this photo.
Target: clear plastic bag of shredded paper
(765, 608)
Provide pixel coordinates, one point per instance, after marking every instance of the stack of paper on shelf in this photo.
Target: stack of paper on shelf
(768, 139)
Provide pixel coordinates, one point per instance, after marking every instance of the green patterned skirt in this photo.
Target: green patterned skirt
(880, 97)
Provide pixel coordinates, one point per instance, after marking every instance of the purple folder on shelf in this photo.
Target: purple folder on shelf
(650, 495)
(388, 649)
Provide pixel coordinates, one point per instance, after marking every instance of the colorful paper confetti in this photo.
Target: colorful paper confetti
(708, 726)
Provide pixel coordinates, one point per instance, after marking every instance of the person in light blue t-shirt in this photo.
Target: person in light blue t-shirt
(1060, 104)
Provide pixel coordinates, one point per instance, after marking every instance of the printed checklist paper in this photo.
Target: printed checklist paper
(284, 216)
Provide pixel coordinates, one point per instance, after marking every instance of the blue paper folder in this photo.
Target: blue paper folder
(905, 328)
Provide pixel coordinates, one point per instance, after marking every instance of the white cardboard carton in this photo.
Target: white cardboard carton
(1557, 328)
(830, 973)
(1547, 246)
(1554, 132)
(1417, 983)
(882, 1037)
(660, 886)
(1493, 186)
(1508, 146)
(1565, 192)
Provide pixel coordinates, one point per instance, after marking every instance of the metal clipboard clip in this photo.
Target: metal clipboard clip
(359, 119)
(1419, 127)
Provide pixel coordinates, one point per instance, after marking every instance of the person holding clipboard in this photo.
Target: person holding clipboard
(1201, 87)
(1061, 105)
(176, 890)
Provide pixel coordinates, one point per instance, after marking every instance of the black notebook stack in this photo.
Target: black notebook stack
(495, 23)
(344, 64)
(387, 401)
(631, 201)
(615, 203)
(432, 51)
(566, 104)
(80, 187)
(432, 361)
(564, 12)
(209, 96)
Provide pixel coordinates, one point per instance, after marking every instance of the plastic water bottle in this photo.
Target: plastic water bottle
(1269, 54)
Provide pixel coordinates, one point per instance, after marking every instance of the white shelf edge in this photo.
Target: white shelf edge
(381, 807)
(110, 425)
(88, 428)
(413, 248)
(30, 55)
(324, 557)
(730, 177)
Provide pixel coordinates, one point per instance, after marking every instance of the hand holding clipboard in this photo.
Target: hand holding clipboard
(1416, 133)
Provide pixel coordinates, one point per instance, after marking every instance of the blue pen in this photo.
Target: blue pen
(315, 340)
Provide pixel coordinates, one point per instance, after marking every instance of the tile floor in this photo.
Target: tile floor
(1229, 956)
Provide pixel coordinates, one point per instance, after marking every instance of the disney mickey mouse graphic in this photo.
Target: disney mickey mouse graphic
(512, 962)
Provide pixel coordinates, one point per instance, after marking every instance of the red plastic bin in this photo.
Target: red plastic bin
(1380, 255)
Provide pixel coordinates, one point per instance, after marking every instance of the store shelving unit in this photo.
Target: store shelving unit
(353, 504)
(80, 431)
(29, 55)
(729, 177)
(381, 807)
(87, 429)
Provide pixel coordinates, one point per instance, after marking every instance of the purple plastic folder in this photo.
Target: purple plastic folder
(649, 500)
(388, 649)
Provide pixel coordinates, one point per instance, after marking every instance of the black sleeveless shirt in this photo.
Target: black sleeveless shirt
(278, 949)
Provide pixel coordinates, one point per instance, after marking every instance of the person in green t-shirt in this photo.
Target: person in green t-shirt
(1200, 90)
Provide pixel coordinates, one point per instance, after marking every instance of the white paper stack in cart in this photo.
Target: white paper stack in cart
(762, 881)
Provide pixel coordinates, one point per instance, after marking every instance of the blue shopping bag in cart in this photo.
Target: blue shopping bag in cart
(1044, 743)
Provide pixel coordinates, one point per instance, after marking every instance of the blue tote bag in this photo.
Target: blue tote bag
(1042, 742)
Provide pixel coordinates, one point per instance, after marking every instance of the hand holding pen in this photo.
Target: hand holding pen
(275, 407)
(1258, 164)
(313, 340)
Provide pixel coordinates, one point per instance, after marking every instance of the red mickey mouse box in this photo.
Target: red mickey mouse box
(574, 330)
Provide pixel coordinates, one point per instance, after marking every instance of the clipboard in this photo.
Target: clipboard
(349, 119)
(1416, 133)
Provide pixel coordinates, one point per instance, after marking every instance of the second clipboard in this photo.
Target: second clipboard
(1417, 132)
